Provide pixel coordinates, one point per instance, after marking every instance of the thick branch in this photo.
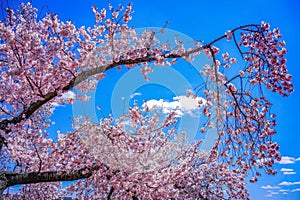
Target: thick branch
(13, 178)
(75, 81)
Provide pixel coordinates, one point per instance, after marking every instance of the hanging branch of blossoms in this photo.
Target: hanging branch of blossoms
(247, 122)
(42, 59)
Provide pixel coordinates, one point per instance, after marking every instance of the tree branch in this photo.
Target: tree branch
(110, 193)
(80, 78)
(86, 74)
(13, 178)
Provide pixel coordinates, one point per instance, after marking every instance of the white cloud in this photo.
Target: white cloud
(286, 170)
(188, 103)
(274, 193)
(283, 191)
(298, 159)
(55, 104)
(260, 161)
(289, 183)
(65, 96)
(270, 187)
(135, 94)
(286, 160)
(165, 106)
(68, 95)
(181, 105)
(289, 173)
(296, 190)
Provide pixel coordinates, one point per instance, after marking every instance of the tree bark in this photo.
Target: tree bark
(8, 179)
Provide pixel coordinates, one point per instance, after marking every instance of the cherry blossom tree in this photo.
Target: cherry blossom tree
(141, 155)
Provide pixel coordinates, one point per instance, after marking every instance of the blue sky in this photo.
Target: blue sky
(206, 20)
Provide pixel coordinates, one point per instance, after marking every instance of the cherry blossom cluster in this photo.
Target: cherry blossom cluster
(146, 159)
(40, 190)
(265, 53)
(137, 142)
